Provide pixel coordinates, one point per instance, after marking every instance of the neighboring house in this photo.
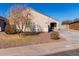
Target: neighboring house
(41, 22)
(65, 26)
(2, 23)
(74, 25)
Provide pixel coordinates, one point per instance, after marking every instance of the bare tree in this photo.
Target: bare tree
(20, 16)
(76, 19)
(66, 22)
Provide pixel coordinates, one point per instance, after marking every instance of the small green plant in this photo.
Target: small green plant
(55, 35)
(10, 29)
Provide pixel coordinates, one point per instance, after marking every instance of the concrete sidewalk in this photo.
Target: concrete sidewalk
(40, 49)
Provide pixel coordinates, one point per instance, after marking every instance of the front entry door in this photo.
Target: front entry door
(52, 26)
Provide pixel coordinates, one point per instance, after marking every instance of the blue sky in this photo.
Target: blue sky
(59, 11)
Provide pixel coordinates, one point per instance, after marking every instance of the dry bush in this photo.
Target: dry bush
(10, 29)
(55, 35)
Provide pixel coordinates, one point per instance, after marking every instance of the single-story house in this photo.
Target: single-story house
(74, 25)
(71, 25)
(2, 23)
(42, 22)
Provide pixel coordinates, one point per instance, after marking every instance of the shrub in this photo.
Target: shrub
(55, 35)
(10, 29)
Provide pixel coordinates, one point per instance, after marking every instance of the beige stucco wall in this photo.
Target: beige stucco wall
(42, 20)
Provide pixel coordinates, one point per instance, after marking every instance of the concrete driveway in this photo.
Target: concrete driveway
(71, 35)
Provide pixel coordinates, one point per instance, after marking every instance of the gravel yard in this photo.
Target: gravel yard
(16, 40)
